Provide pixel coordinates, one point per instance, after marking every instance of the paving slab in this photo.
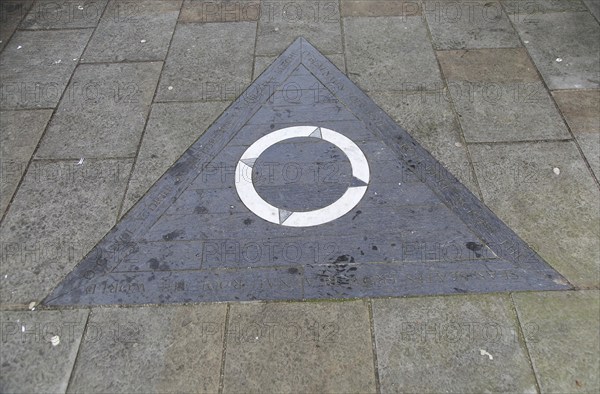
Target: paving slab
(134, 31)
(171, 129)
(221, 11)
(102, 113)
(208, 62)
(499, 96)
(262, 62)
(561, 332)
(469, 24)
(143, 350)
(36, 66)
(545, 192)
(390, 53)
(564, 47)
(594, 7)
(542, 6)
(31, 361)
(281, 22)
(18, 143)
(458, 344)
(299, 347)
(64, 14)
(60, 211)
(380, 8)
(11, 14)
(580, 108)
(430, 119)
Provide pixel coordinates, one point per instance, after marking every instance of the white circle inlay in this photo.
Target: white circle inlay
(255, 203)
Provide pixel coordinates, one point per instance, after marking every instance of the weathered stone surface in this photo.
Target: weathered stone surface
(392, 54)
(561, 331)
(221, 11)
(17, 145)
(380, 8)
(457, 337)
(64, 14)
(499, 97)
(11, 14)
(134, 31)
(580, 108)
(299, 347)
(30, 362)
(564, 47)
(282, 21)
(171, 129)
(208, 62)
(469, 24)
(60, 211)
(102, 113)
(545, 192)
(36, 66)
(167, 350)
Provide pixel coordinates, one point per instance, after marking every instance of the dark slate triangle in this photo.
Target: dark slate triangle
(192, 239)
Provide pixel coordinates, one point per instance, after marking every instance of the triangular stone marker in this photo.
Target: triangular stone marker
(260, 209)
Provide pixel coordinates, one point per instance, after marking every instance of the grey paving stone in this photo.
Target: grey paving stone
(30, 363)
(499, 97)
(545, 192)
(561, 332)
(459, 344)
(581, 108)
(262, 62)
(208, 62)
(564, 47)
(429, 118)
(21, 132)
(594, 7)
(103, 112)
(171, 129)
(36, 66)
(530, 7)
(134, 31)
(380, 8)
(469, 24)
(282, 21)
(220, 11)
(60, 211)
(299, 347)
(64, 14)
(11, 14)
(151, 349)
(390, 53)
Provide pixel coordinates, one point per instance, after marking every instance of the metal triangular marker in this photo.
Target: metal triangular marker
(283, 215)
(249, 162)
(316, 133)
(395, 238)
(357, 182)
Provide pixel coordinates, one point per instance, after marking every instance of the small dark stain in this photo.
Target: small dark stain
(374, 247)
(172, 235)
(460, 290)
(248, 221)
(475, 247)
(292, 270)
(154, 264)
(343, 259)
(200, 209)
(357, 213)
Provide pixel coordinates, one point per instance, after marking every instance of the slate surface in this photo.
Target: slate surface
(191, 238)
